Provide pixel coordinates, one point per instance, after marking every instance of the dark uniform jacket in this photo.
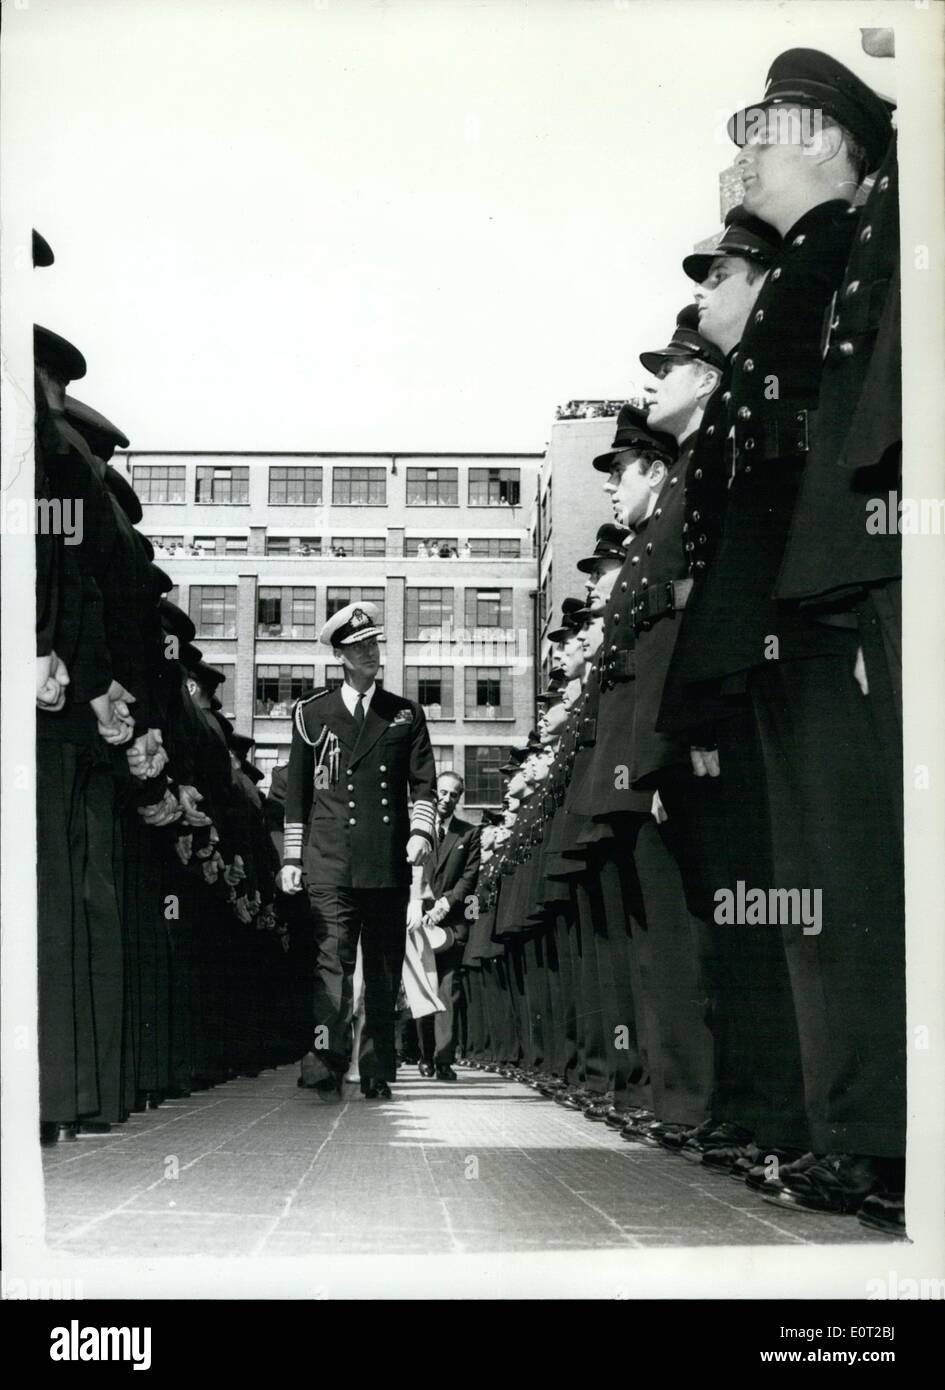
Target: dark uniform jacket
(452, 871)
(641, 624)
(769, 422)
(855, 455)
(348, 790)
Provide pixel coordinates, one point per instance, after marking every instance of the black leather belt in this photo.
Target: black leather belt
(779, 430)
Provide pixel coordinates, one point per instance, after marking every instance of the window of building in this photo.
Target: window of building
(359, 487)
(432, 487)
(544, 600)
(221, 545)
(488, 692)
(293, 545)
(340, 598)
(429, 613)
(268, 757)
(357, 547)
(483, 778)
(219, 484)
(296, 486)
(213, 609)
(546, 515)
(164, 545)
(278, 687)
(159, 482)
(334, 676)
(494, 487)
(489, 608)
(432, 687)
(285, 612)
(432, 547)
(495, 547)
(443, 757)
(226, 693)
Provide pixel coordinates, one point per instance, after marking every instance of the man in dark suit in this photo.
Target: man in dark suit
(450, 877)
(357, 754)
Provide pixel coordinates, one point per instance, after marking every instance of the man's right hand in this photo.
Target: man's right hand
(290, 878)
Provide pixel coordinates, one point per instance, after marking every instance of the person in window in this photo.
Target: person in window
(421, 551)
(443, 550)
(466, 552)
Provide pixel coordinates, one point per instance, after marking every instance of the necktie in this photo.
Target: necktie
(440, 831)
(359, 711)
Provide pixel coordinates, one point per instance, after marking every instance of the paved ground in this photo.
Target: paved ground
(260, 1168)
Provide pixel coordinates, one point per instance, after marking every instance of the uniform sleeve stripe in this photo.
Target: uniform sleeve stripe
(423, 816)
(292, 840)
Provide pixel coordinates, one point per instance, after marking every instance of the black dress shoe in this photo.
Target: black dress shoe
(615, 1119)
(838, 1184)
(886, 1212)
(51, 1132)
(768, 1179)
(768, 1161)
(636, 1122)
(327, 1091)
(724, 1136)
(597, 1110)
(446, 1074)
(375, 1090)
(426, 1069)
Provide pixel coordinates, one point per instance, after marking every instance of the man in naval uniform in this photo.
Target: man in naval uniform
(358, 753)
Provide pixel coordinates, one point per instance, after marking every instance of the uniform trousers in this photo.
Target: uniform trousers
(79, 935)
(722, 835)
(834, 831)
(342, 916)
(439, 1033)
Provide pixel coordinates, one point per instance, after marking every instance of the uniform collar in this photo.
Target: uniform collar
(350, 696)
(823, 212)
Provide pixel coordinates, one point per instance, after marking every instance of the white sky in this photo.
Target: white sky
(349, 224)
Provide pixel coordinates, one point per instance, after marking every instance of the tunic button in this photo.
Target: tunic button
(623, 585)
(383, 800)
(776, 273)
(845, 348)
(726, 396)
(749, 365)
(760, 316)
(352, 821)
(382, 768)
(644, 582)
(635, 560)
(387, 820)
(697, 516)
(689, 545)
(749, 444)
(673, 482)
(658, 512)
(744, 413)
(866, 233)
(350, 786)
(383, 784)
(799, 240)
(734, 356)
(852, 288)
(698, 473)
(700, 564)
(710, 430)
(884, 183)
(351, 804)
(613, 649)
(702, 539)
(616, 617)
(649, 547)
